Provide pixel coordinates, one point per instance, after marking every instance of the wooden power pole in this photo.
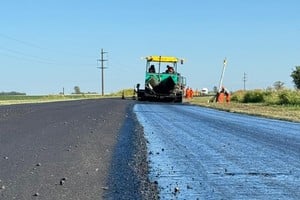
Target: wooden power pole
(244, 80)
(102, 60)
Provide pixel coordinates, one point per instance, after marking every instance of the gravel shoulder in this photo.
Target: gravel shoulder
(128, 177)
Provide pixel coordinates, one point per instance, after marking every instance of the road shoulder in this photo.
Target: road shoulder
(128, 177)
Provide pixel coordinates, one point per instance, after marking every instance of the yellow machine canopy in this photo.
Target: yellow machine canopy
(169, 59)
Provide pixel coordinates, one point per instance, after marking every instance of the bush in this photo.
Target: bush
(271, 97)
(238, 96)
(287, 97)
(255, 96)
(284, 97)
(126, 92)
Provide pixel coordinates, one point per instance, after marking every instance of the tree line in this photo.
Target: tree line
(296, 77)
(11, 93)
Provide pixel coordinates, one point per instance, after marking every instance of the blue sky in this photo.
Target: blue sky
(49, 45)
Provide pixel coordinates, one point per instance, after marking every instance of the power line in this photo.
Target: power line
(29, 56)
(39, 60)
(32, 45)
(36, 59)
(21, 41)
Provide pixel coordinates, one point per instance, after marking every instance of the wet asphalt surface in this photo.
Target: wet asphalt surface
(91, 149)
(200, 153)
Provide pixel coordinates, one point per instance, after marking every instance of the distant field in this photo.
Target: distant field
(290, 113)
(18, 99)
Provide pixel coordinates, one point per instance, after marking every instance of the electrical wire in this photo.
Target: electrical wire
(21, 41)
(33, 58)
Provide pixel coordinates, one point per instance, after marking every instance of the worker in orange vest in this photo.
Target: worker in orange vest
(191, 93)
(227, 94)
(223, 96)
(187, 93)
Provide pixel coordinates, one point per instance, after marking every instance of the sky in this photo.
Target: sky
(53, 45)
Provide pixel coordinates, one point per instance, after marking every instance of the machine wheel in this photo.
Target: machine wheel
(178, 99)
(141, 95)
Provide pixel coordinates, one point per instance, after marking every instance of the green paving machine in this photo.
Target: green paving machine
(162, 80)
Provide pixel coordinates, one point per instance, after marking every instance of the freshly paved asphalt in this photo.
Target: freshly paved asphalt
(200, 153)
(95, 149)
(72, 150)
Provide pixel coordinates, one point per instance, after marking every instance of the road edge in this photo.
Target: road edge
(128, 176)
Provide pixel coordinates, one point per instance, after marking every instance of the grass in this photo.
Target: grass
(22, 99)
(282, 112)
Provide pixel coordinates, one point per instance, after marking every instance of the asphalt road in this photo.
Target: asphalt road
(91, 149)
(200, 153)
(95, 149)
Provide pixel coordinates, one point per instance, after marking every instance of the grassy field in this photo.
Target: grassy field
(289, 113)
(22, 99)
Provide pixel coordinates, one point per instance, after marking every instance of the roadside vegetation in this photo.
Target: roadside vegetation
(276, 102)
(268, 97)
(7, 98)
(282, 104)
(20, 99)
(127, 93)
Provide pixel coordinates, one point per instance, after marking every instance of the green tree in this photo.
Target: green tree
(77, 90)
(278, 85)
(296, 77)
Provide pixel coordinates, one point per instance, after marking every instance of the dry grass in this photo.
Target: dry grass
(23, 99)
(289, 113)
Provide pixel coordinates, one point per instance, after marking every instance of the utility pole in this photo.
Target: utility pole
(102, 60)
(244, 80)
(222, 75)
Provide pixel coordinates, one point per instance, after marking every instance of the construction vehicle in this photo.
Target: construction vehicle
(162, 80)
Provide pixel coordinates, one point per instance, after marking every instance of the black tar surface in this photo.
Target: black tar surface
(91, 149)
(129, 170)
